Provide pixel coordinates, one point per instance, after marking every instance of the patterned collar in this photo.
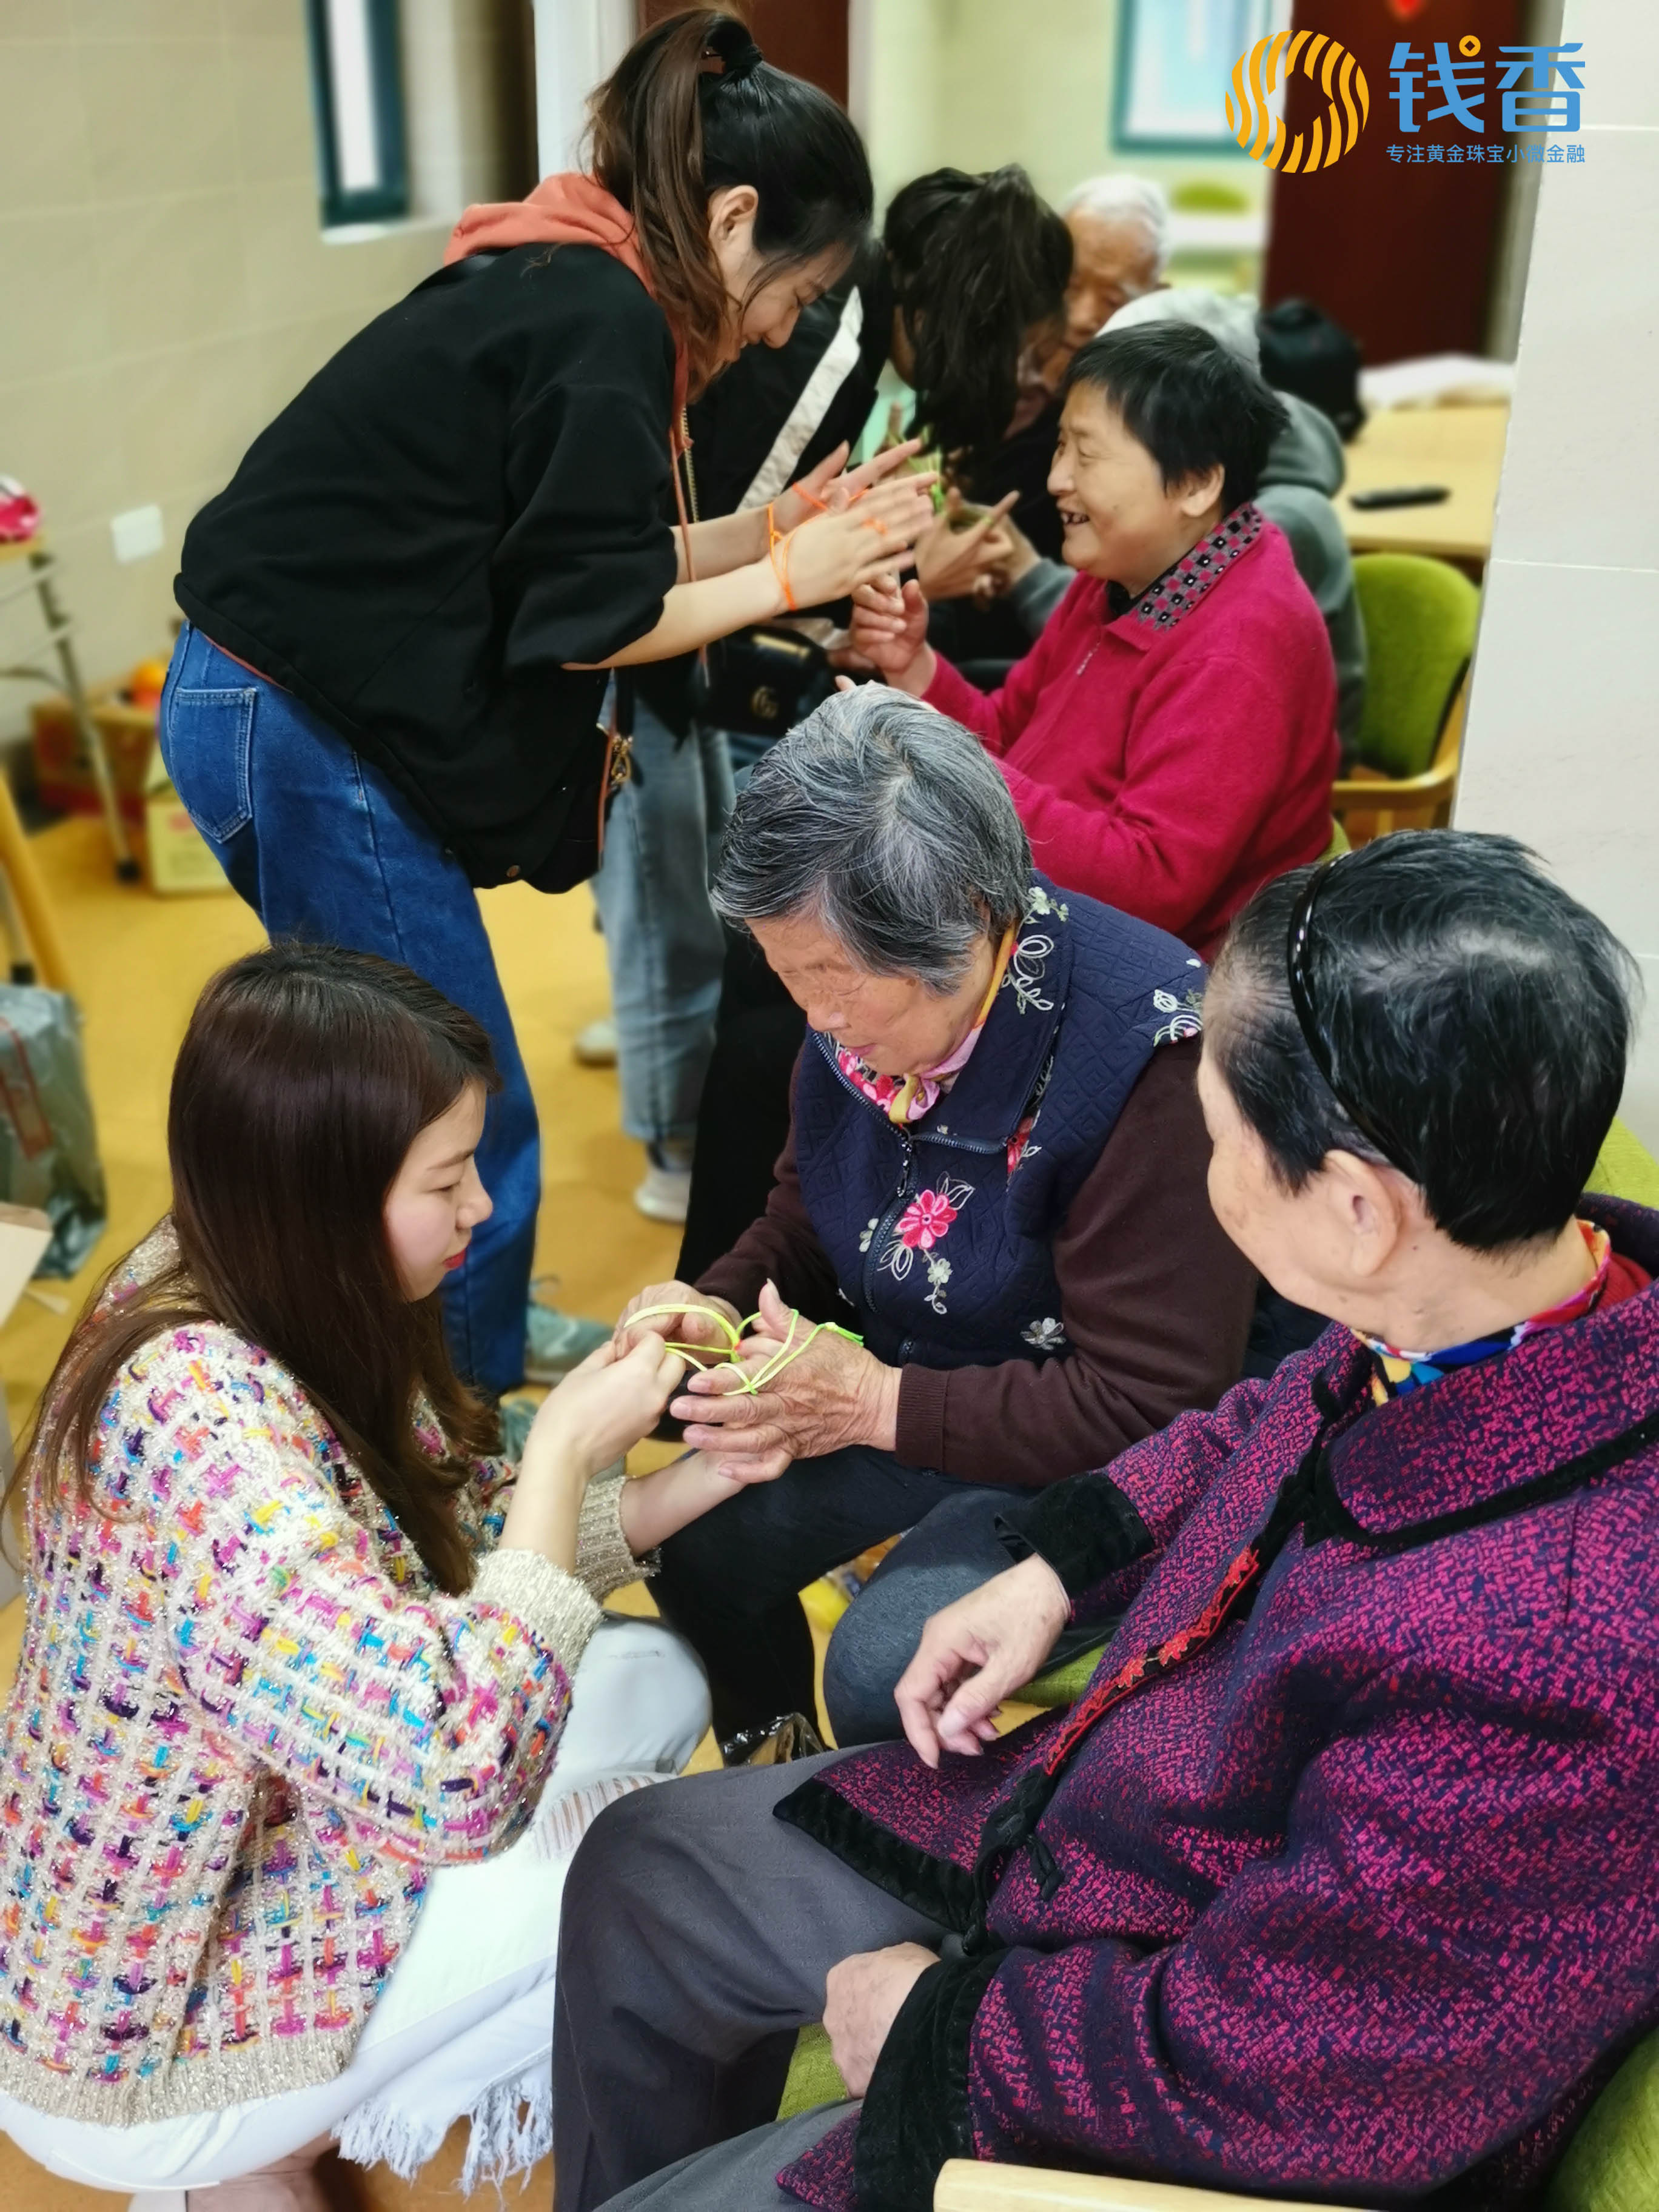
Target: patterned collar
(1396, 1374)
(1184, 583)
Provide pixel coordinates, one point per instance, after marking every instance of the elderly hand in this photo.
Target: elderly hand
(862, 1998)
(956, 557)
(974, 1654)
(1020, 560)
(680, 1324)
(834, 1394)
(889, 630)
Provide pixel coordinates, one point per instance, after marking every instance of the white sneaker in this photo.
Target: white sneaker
(596, 1045)
(665, 1193)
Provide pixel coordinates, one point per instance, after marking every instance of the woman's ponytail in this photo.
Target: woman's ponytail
(693, 108)
(979, 263)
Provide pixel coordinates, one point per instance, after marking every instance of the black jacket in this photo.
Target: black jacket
(471, 493)
(772, 416)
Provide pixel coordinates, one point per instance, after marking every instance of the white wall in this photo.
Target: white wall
(165, 284)
(979, 82)
(577, 44)
(1560, 750)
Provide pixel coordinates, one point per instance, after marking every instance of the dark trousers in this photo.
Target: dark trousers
(743, 1120)
(729, 1584)
(695, 1935)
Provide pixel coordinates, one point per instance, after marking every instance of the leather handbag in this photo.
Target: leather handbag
(760, 681)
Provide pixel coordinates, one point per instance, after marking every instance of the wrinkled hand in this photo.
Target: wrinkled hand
(889, 630)
(834, 1394)
(685, 1327)
(1020, 560)
(835, 486)
(974, 1654)
(862, 1998)
(602, 1408)
(954, 558)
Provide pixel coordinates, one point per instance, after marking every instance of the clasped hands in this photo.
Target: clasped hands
(835, 1393)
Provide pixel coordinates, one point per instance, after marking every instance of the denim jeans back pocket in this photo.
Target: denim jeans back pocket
(207, 742)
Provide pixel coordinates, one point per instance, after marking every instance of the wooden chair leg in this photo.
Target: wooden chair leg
(29, 891)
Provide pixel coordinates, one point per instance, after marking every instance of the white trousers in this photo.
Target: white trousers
(465, 2026)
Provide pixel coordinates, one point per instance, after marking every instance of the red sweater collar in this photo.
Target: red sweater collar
(1186, 581)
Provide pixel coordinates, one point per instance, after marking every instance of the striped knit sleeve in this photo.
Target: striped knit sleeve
(432, 1719)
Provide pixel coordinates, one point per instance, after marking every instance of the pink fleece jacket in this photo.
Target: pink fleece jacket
(1173, 760)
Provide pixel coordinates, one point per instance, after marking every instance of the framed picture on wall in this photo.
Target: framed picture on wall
(1174, 60)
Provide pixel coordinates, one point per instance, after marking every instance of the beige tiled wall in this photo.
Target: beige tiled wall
(1560, 746)
(165, 286)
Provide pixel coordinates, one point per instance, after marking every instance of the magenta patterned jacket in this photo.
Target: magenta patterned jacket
(1358, 1898)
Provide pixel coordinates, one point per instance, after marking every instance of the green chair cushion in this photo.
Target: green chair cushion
(1419, 616)
(1624, 1168)
(1612, 2163)
(814, 2076)
(1062, 1685)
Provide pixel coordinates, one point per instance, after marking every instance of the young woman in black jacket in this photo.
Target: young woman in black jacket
(402, 609)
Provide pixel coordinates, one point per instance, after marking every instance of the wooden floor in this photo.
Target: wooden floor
(139, 962)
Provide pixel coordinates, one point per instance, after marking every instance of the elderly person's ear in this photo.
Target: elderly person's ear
(1376, 1209)
(1199, 493)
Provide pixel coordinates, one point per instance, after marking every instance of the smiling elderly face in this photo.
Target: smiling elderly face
(893, 1023)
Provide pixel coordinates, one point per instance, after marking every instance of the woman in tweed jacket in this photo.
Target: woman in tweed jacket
(296, 1644)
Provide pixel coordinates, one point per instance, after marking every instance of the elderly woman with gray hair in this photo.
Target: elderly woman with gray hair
(994, 1178)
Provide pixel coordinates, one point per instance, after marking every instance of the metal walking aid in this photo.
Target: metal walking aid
(40, 564)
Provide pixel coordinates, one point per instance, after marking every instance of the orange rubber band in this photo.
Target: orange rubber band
(775, 538)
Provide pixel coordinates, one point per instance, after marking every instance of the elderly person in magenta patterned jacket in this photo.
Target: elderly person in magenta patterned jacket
(299, 1653)
(994, 1176)
(1339, 1882)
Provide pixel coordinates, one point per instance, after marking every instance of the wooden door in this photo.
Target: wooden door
(808, 37)
(1402, 255)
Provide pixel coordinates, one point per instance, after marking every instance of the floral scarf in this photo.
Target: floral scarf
(1395, 1373)
(906, 1098)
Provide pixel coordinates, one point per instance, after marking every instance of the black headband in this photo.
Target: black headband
(1297, 965)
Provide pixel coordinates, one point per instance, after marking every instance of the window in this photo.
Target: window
(357, 80)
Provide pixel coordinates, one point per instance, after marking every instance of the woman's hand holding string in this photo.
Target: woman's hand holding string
(684, 1318)
(832, 487)
(834, 1393)
(600, 1410)
(832, 554)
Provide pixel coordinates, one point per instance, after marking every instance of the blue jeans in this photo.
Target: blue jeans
(322, 847)
(662, 941)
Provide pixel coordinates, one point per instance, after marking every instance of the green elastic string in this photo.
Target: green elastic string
(703, 1358)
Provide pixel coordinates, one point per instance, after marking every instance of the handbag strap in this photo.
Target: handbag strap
(677, 452)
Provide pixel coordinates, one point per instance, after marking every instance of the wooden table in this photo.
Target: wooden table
(1460, 446)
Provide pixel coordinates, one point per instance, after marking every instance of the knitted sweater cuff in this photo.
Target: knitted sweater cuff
(603, 1561)
(554, 1606)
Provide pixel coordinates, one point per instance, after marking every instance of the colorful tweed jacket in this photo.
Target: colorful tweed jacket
(1356, 1894)
(246, 1727)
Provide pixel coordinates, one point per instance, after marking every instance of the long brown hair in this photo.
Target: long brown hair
(306, 1074)
(691, 108)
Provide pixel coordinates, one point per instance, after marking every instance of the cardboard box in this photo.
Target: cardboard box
(64, 777)
(177, 858)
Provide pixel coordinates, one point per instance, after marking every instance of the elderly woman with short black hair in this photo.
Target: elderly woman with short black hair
(994, 1177)
(1170, 739)
(1338, 1881)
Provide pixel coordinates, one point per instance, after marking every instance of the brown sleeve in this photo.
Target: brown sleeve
(1155, 1300)
(782, 1244)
